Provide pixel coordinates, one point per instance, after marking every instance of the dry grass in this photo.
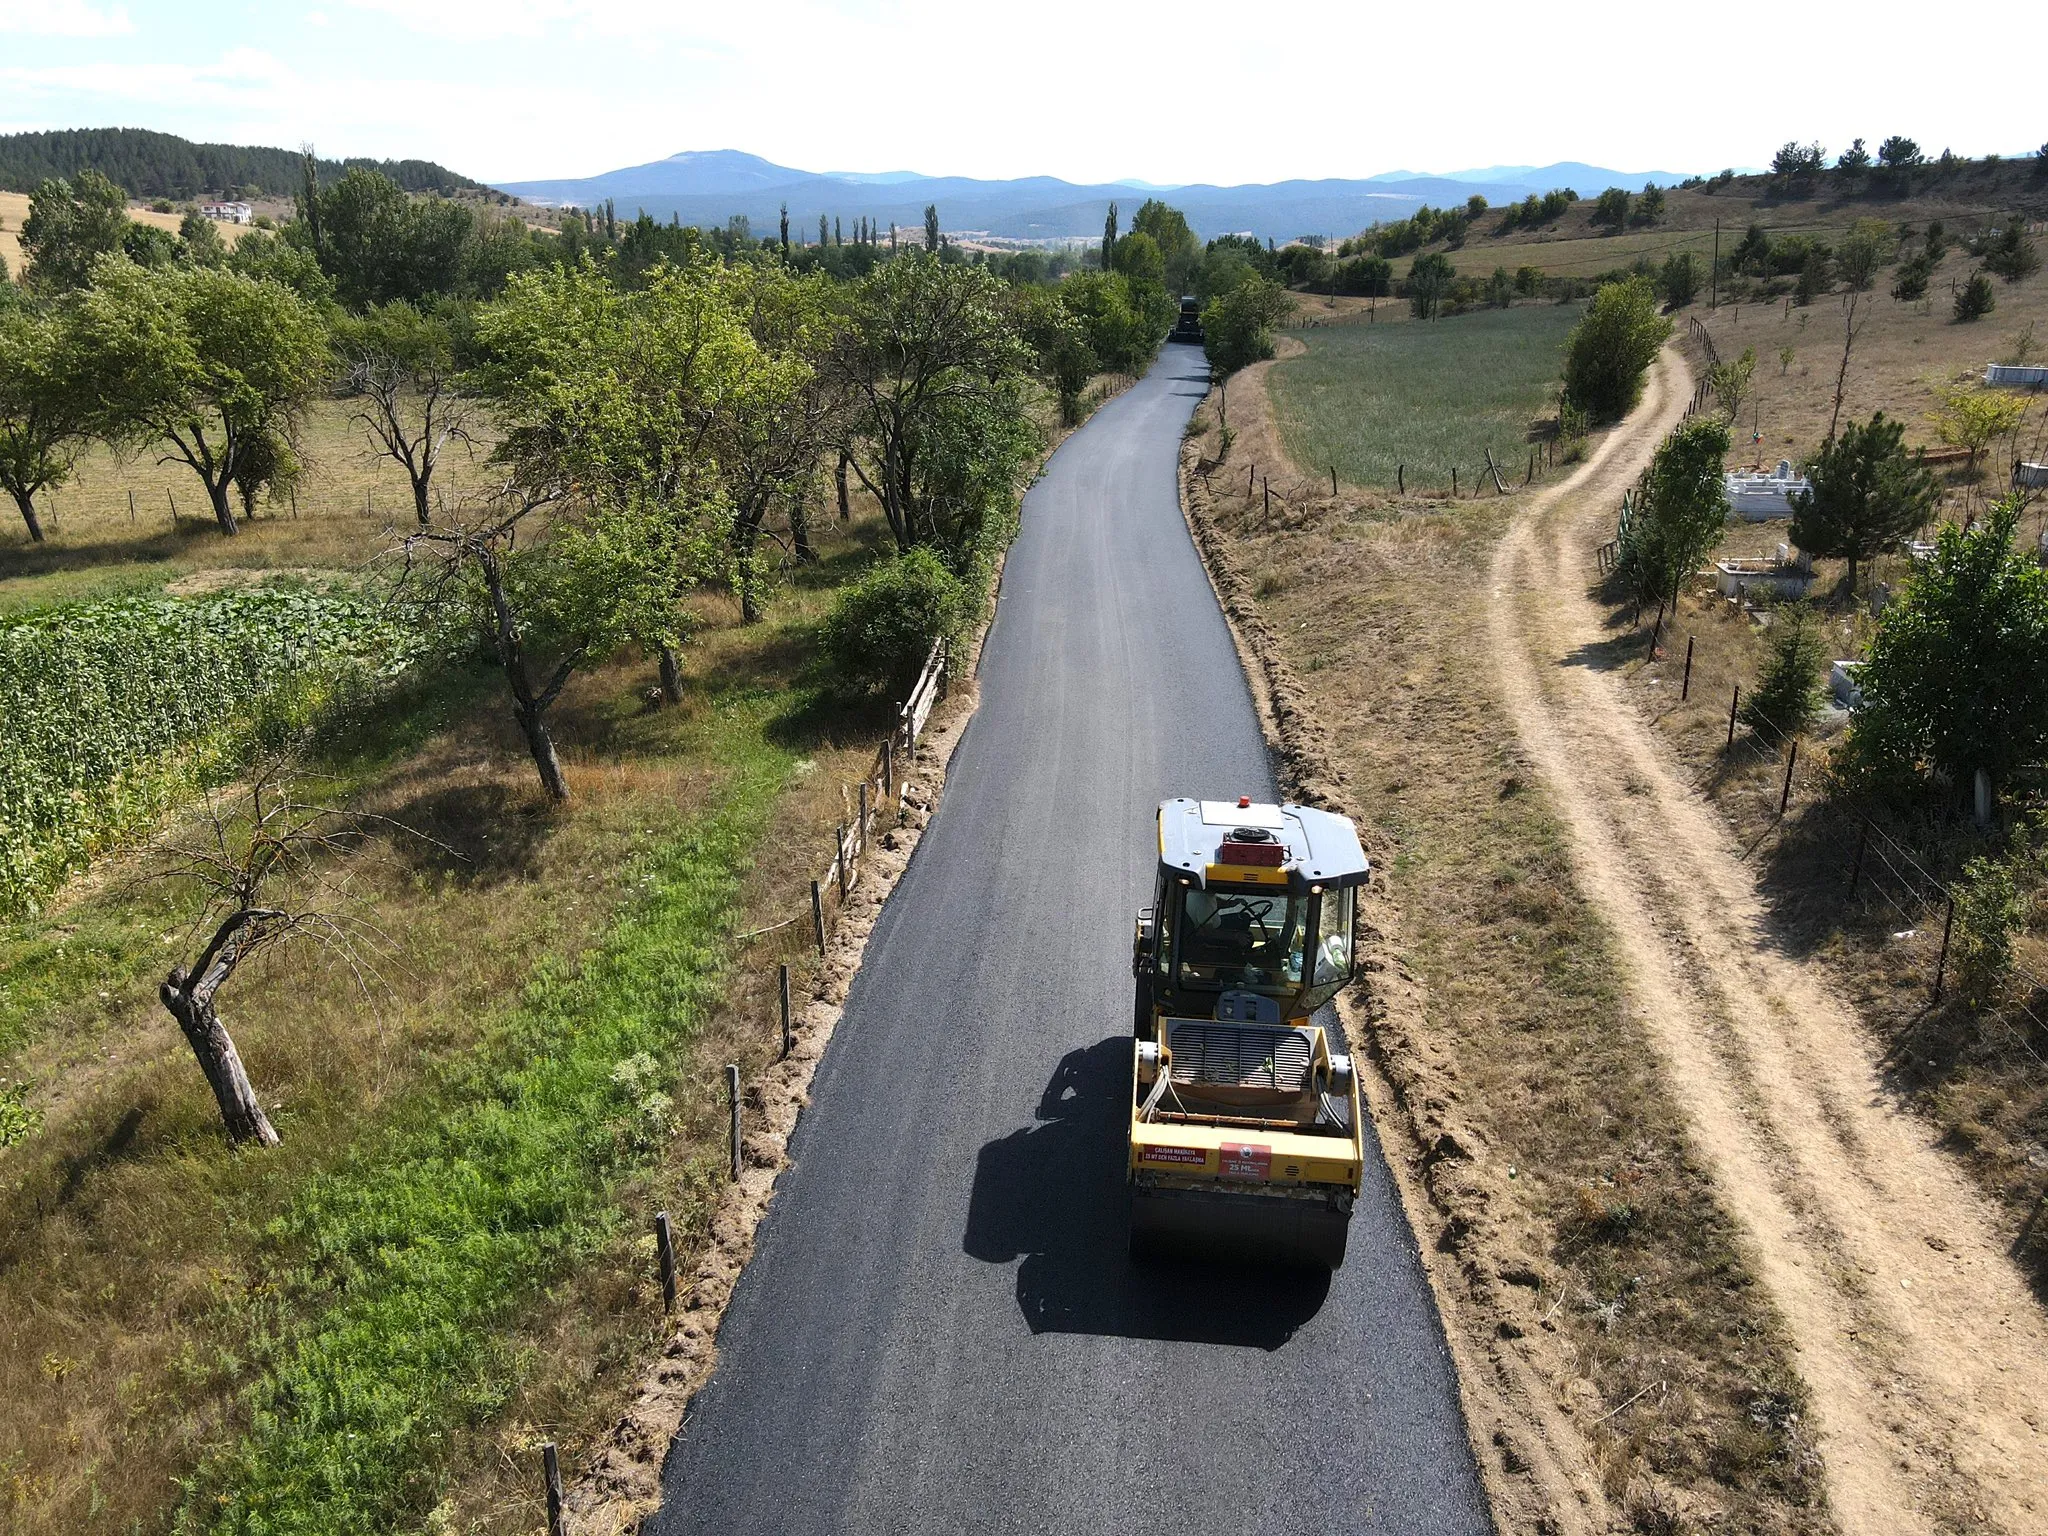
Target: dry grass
(1573, 246)
(132, 1234)
(1978, 1076)
(1585, 1226)
(338, 522)
(14, 208)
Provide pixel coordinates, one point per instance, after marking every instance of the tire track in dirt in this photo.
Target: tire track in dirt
(1926, 1357)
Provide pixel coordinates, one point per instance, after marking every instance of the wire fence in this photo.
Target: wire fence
(1881, 875)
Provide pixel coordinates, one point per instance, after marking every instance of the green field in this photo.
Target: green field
(1368, 399)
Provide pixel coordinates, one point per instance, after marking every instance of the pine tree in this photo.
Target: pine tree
(785, 231)
(821, 231)
(1867, 494)
(931, 227)
(1109, 239)
(838, 234)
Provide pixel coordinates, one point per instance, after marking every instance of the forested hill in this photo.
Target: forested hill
(148, 164)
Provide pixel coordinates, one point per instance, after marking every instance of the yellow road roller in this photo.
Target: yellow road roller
(1246, 1140)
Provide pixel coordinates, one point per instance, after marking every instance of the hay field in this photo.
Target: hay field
(1369, 399)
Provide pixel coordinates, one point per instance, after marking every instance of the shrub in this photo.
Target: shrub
(2012, 255)
(1787, 696)
(1679, 280)
(1975, 300)
(1678, 513)
(1990, 909)
(1912, 279)
(1611, 349)
(882, 627)
(1958, 673)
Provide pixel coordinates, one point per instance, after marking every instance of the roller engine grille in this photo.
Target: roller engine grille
(1239, 1055)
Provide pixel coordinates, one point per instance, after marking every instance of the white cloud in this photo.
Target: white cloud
(63, 18)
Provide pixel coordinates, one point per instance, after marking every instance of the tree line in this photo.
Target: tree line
(152, 165)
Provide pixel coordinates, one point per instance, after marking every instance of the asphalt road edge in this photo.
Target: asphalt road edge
(621, 1485)
(1538, 1473)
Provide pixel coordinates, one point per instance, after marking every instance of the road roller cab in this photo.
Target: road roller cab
(1245, 1133)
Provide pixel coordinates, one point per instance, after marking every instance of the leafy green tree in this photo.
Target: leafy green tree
(1111, 322)
(45, 414)
(1059, 341)
(1649, 207)
(1975, 300)
(1500, 288)
(1430, 277)
(379, 243)
(1678, 513)
(1957, 678)
(931, 226)
(1867, 494)
(1679, 279)
(1813, 277)
(1863, 252)
(1612, 347)
(267, 258)
(1180, 252)
(199, 361)
(1787, 695)
(1730, 381)
(399, 367)
(930, 356)
(201, 239)
(70, 226)
(1237, 329)
(1139, 260)
(1973, 419)
(1752, 253)
(1610, 209)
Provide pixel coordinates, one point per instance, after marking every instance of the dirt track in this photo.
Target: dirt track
(1926, 1357)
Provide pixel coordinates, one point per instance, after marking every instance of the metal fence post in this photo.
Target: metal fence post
(818, 915)
(785, 1012)
(842, 863)
(1941, 962)
(1685, 687)
(732, 1095)
(1732, 702)
(665, 1249)
(1785, 795)
(551, 1472)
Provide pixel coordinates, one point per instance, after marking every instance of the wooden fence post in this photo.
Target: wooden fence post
(1454, 482)
(841, 862)
(889, 769)
(665, 1249)
(732, 1098)
(785, 1013)
(1785, 794)
(1732, 702)
(1333, 480)
(818, 908)
(1685, 687)
(863, 818)
(551, 1473)
(1401, 478)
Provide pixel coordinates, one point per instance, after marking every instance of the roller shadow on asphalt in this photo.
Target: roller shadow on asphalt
(1052, 1193)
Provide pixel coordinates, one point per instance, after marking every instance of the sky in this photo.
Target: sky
(1179, 92)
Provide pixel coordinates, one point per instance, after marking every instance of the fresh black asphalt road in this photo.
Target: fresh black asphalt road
(940, 1330)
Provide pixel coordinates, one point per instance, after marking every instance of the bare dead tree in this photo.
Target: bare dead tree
(401, 372)
(1849, 330)
(251, 846)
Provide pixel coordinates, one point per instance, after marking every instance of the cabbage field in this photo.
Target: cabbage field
(109, 711)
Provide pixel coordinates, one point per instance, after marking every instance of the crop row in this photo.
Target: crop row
(112, 710)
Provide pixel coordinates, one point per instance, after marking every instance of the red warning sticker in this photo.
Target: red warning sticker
(1152, 1154)
(1246, 1160)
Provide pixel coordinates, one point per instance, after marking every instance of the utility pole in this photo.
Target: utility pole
(1714, 277)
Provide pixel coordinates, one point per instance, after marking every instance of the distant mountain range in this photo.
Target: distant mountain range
(708, 186)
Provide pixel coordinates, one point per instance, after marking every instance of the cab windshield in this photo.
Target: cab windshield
(1249, 939)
